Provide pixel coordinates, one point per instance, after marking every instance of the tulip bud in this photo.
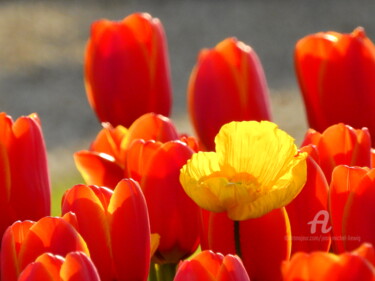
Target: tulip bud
(24, 241)
(127, 69)
(336, 74)
(210, 266)
(227, 84)
(352, 209)
(76, 266)
(340, 144)
(115, 226)
(24, 181)
(323, 266)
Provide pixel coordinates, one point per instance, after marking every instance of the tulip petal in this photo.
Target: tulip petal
(98, 168)
(30, 185)
(47, 235)
(232, 269)
(12, 241)
(310, 53)
(359, 213)
(303, 209)
(89, 203)
(344, 180)
(168, 203)
(150, 126)
(130, 249)
(264, 242)
(78, 267)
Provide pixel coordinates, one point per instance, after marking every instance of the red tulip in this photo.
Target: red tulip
(310, 205)
(115, 226)
(24, 241)
(340, 145)
(322, 266)
(336, 74)
(25, 186)
(173, 215)
(76, 266)
(127, 69)
(351, 200)
(105, 164)
(150, 153)
(264, 242)
(227, 84)
(210, 266)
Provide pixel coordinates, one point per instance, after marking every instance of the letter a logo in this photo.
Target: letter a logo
(323, 222)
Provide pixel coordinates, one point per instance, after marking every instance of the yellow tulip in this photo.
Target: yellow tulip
(256, 168)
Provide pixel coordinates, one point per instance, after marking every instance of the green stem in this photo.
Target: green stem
(152, 273)
(237, 239)
(166, 272)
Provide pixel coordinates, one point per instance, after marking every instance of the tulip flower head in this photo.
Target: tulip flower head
(256, 168)
(227, 84)
(127, 69)
(210, 266)
(76, 266)
(24, 180)
(323, 266)
(336, 74)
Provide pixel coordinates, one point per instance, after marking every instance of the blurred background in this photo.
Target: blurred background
(42, 45)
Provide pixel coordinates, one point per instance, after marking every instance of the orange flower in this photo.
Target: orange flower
(24, 241)
(127, 69)
(210, 266)
(322, 266)
(76, 266)
(227, 84)
(115, 226)
(24, 181)
(140, 153)
(352, 209)
(340, 144)
(336, 74)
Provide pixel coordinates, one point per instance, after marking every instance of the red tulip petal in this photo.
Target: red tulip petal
(78, 267)
(338, 82)
(367, 252)
(31, 192)
(344, 180)
(108, 140)
(227, 84)
(359, 213)
(133, 48)
(172, 213)
(264, 242)
(36, 271)
(210, 261)
(131, 249)
(138, 157)
(311, 53)
(189, 270)
(45, 267)
(150, 126)
(89, 203)
(53, 235)
(304, 208)
(98, 168)
(12, 241)
(232, 269)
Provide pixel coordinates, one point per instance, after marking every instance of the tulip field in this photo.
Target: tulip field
(236, 200)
